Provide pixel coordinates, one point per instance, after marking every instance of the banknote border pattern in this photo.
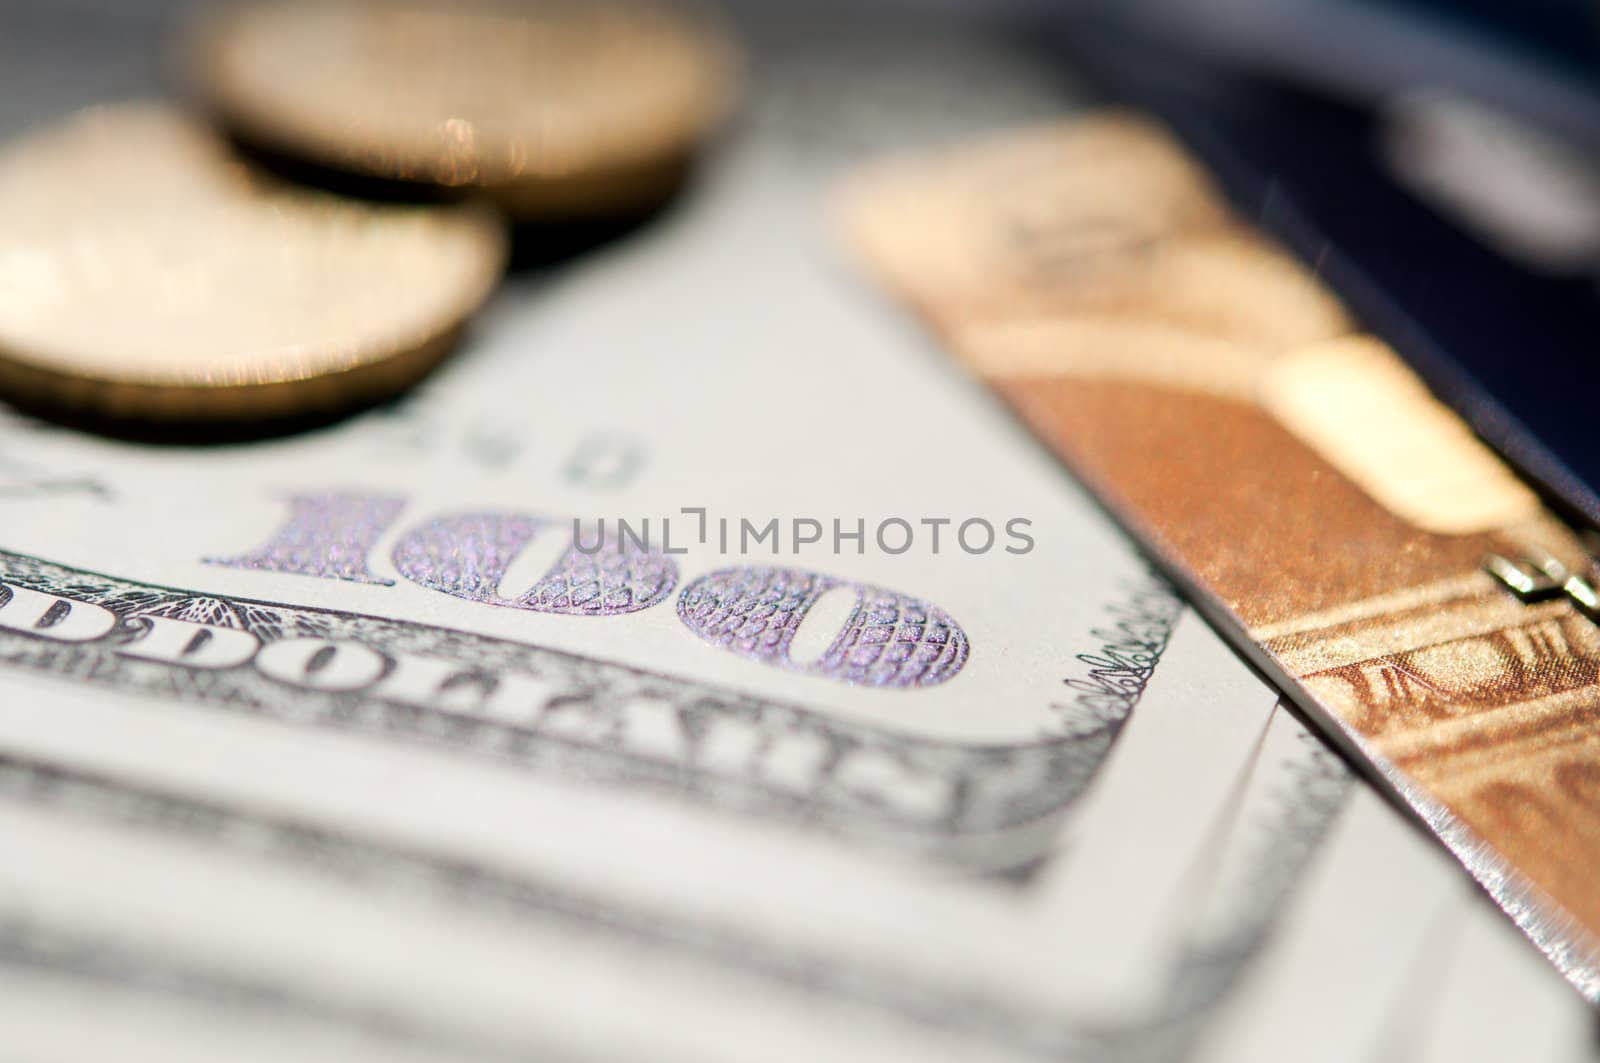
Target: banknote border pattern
(941, 798)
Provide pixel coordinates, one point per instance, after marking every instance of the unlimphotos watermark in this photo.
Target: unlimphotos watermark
(774, 536)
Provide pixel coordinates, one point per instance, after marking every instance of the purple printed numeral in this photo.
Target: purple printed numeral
(889, 640)
(468, 554)
(328, 536)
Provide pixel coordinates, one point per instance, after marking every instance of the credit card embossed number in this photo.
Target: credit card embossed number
(1347, 529)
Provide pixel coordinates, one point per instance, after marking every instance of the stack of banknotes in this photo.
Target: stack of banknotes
(698, 665)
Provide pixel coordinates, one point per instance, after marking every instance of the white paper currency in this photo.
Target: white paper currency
(1496, 997)
(723, 359)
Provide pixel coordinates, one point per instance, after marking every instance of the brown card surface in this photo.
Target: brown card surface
(1289, 470)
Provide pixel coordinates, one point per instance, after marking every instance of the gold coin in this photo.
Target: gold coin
(146, 274)
(553, 107)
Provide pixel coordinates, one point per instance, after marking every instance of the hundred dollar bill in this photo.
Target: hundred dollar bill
(186, 903)
(299, 890)
(1289, 470)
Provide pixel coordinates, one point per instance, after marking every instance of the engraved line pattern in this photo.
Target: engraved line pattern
(889, 640)
(468, 554)
(560, 712)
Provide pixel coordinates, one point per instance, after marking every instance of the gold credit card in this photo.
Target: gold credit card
(1289, 470)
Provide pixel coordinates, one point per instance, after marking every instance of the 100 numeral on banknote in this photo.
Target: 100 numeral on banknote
(563, 712)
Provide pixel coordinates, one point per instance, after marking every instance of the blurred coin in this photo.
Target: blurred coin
(554, 107)
(146, 274)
